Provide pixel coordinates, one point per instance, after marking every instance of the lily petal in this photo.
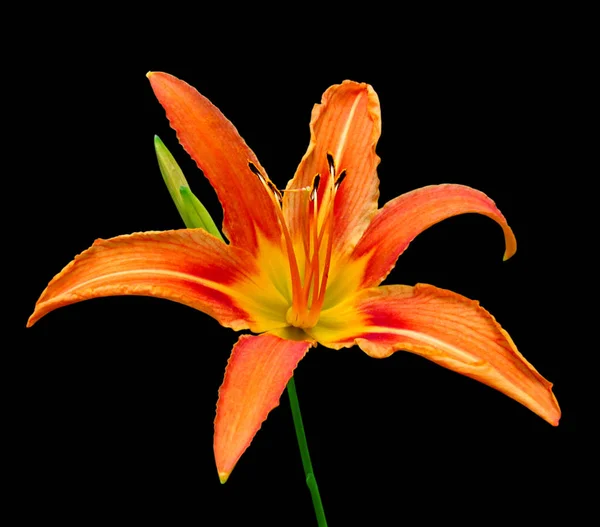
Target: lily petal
(257, 373)
(187, 266)
(219, 151)
(444, 327)
(406, 216)
(347, 124)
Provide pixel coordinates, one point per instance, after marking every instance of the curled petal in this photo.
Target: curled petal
(219, 151)
(187, 266)
(406, 216)
(347, 125)
(257, 373)
(444, 327)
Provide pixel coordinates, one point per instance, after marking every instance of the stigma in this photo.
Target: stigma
(310, 285)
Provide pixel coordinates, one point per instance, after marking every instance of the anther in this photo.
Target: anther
(266, 181)
(256, 172)
(331, 164)
(340, 178)
(315, 187)
(275, 190)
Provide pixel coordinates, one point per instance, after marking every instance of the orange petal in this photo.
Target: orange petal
(257, 373)
(346, 124)
(187, 266)
(404, 217)
(219, 151)
(445, 328)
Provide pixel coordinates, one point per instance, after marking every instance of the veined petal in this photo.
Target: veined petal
(187, 266)
(444, 327)
(257, 373)
(219, 151)
(406, 216)
(347, 124)
(397, 224)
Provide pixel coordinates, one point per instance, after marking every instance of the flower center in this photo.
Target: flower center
(308, 290)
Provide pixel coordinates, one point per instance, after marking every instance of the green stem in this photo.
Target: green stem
(306, 463)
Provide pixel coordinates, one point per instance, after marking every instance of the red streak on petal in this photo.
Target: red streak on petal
(386, 319)
(379, 337)
(222, 300)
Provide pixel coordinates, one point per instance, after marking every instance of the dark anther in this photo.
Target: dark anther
(339, 180)
(256, 171)
(331, 164)
(315, 188)
(275, 190)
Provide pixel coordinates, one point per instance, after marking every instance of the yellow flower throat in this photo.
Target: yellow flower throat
(308, 291)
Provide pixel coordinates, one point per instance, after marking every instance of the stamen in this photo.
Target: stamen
(328, 223)
(267, 182)
(318, 222)
(312, 218)
(331, 163)
(256, 172)
(328, 190)
(275, 191)
(306, 239)
(340, 178)
(315, 187)
(315, 233)
(319, 303)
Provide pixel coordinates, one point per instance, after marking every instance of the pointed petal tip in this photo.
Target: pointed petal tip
(448, 329)
(149, 74)
(554, 416)
(258, 370)
(35, 316)
(510, 250)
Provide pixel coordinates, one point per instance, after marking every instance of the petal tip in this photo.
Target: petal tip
(509, 253)
(511, 244)
(223, 477)
(34, 317)
(148, 75)
(554, 417)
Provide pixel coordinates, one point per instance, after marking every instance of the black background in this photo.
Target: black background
(112, 401)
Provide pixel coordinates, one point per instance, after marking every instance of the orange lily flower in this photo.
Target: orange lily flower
(303, 266)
